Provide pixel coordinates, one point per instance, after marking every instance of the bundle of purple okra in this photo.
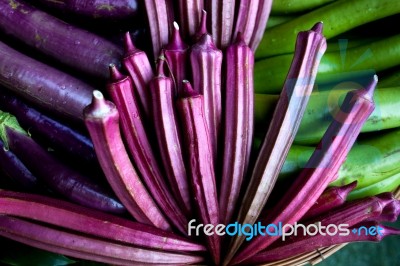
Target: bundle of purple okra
(176, 145)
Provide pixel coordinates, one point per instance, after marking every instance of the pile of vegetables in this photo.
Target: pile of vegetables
(113, 141)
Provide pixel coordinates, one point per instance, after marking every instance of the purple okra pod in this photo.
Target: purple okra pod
(202, 28)
(252, 20)
(238, 127)
(160, 15)
(302, 245)
(169, 136)
(102, 122)
(332, 198)
(190, 16)
(86, 247)
(200, 161)
(289, 110)
(176, 54)
(321, 168)
(137, 64)
(206, 63)
(221, 21)
(120, 89)
(77, 218)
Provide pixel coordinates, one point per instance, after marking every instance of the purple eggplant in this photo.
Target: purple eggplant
(57, 135)
(58, 176)
(94, 9)
(42, 85)
(16, 171)
(72, 46)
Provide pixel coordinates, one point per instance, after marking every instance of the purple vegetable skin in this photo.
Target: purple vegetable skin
(75, 217)
(200, 163)
(68, 44)
(169, 136)
(59, 241)
(238, 127)
(56, 134)
(102, 121)
(311, 243)
(16, 171)
(332, 198)
(58, 176)
(95, 9)
(43, 86)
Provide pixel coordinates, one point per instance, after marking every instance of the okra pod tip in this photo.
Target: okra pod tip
(202, 29)
(188, 90)
(99, 107)
(176, 42)
(129, 47)
(115, 74)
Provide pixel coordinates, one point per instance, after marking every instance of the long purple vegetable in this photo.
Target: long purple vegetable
(322, 166)
(312, 243)
(176, 54)
(380, 208)
(264, 9)
(190, 16)
(332, 198)
(221, 21)
(102, 121)
(206, 63)
(289, 110)
(252, 20)
(42, 85)
(74, 217)
(60, 241)
(56, 134)
(58, 176)
(169, 136)
(51, 247)
(391, 210)
(95, 9)
(120, 90)
(350, 214)
(160, 15)
(201, 163)
(355, 212)
(238, 126)
(16, 171)
(68, 44)
(136, 62)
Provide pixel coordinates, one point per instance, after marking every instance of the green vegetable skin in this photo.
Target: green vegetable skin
(294, 6)
(323, 105)
(338, 17)
(373, 162)
(270, 73)
(386, 185)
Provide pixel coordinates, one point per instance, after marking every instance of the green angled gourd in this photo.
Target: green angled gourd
(322, 107)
